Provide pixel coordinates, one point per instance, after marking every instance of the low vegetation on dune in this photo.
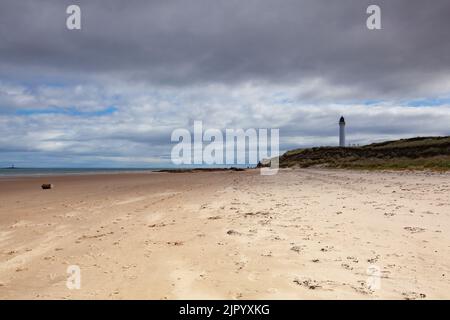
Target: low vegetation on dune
(415, 153)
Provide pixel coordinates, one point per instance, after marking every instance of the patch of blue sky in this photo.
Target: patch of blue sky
(431, 102)
(371, 102)
(68, 111)
(423, 102)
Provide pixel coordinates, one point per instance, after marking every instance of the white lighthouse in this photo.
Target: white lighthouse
(342, 132)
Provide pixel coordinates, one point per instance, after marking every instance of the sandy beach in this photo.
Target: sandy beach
(300, 234)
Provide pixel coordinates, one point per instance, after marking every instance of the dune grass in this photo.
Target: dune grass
(421, 153)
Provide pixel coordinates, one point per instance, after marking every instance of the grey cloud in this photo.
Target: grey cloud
(230, 41)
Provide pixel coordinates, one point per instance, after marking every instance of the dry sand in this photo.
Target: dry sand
(301, 234)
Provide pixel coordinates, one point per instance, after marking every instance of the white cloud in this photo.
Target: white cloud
(138, 132)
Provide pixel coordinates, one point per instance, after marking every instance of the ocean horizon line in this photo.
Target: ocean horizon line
(45, 171)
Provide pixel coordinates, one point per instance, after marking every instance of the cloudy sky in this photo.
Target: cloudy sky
(110, 94)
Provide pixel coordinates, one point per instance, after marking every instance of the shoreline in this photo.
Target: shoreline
(424, 172)
(41, 172)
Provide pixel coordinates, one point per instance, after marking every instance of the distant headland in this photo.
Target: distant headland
(12, 167)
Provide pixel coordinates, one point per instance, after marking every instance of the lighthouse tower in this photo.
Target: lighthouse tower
(342, 132)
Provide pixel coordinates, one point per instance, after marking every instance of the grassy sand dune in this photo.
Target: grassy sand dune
(417, 153)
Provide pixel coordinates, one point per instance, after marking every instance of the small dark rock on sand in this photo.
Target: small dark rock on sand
(47, 186)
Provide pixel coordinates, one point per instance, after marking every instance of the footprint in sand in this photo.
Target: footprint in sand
(175, 243)
(414, 229)
(241, 263)
(327, 248)
(412, 295)
(157, 225)
(311, 284)
(353, 259)
(233, 233)
(346, 266)
(297, 249)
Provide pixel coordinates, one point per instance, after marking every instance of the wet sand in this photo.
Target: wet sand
(301, 234)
